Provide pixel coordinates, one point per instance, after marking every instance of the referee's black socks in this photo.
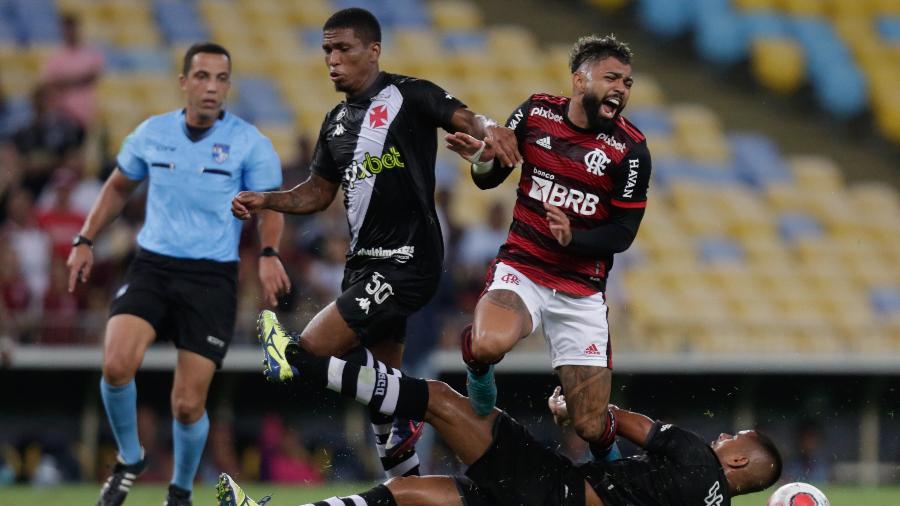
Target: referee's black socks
(383, 392)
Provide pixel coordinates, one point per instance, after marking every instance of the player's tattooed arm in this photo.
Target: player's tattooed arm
(313, 195)
(634, 427)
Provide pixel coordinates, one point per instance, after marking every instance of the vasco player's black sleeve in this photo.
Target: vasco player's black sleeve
(676, 444)
(431, 102)
(629, 198)
(323, 163)
(498, 173)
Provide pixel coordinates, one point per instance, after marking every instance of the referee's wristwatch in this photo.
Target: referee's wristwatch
(269, 251)
(79, 239)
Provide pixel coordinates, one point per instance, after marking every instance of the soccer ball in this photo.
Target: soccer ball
(798, 494)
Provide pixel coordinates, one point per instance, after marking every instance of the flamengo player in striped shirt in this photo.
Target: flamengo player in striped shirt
(581, 197)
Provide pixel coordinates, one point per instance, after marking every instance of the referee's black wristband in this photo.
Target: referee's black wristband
(269, 251)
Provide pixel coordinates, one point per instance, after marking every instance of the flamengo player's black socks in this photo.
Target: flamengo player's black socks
(382, 392)
(405, 463)
(377, 496)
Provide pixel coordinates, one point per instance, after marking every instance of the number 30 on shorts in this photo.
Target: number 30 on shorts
(378, 289)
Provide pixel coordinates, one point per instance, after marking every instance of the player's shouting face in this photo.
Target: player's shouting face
(206, 84)
(606, 85)
(352, 62)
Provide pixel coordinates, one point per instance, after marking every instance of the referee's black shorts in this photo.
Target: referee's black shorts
(378, 298)
(190, 302)
(517, 470)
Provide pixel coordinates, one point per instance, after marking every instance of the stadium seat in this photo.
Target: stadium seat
(778, 64)
(455, 15)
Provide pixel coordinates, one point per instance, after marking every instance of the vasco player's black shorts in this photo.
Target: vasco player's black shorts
(379, 297)
(190, 302)
(517, 470)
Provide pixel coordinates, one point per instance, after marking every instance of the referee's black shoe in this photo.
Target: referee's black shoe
(177, 496)
(119, 484)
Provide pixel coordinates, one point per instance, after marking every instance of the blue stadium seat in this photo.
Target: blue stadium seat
(841, 90)
(885, 300)
(668, 18)
(37, 20)
(757, 160)
(720, 36)
(889, 28)
(651, 120)
(8, 35)
(116, 60)
(793, 226)
(150, 60)
(260, 101)
(179, 22)
(765, 24)
(462, 41)
(719, 250)
(18, 114)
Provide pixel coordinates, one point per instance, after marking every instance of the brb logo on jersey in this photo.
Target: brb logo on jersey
(546, 190)
(596, 161)
(372, 165)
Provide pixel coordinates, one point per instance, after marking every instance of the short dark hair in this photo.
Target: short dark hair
(364, 24)
(771, 451)
(596, 48)
(202, 47)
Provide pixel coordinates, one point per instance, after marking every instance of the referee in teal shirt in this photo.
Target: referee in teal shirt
(182, 285)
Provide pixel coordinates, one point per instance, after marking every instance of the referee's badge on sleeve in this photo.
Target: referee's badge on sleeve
(220, 152)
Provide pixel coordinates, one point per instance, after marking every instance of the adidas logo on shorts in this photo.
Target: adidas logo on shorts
(544, 142)
(592, 350)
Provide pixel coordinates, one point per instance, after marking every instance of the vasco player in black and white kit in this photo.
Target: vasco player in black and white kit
(581, 197)
(507, 466)
(379, 147)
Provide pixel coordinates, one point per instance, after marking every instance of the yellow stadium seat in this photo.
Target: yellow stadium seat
(455, 15)
(876, 198)
(661, 147)
(511, 39)
(135, 35)
(839, 9)
(816, 173)
(310, 14)
(284, 139)
(888, 7)
(803, 7)
(755, 5)
(647, 92)
(416, 41)
(694, 117)
(778, 64)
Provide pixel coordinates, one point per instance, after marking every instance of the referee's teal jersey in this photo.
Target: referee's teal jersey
(192, 183)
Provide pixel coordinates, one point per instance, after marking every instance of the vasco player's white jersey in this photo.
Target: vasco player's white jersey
(585, 173)
(381, 147)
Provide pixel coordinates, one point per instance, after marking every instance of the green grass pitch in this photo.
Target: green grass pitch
(152, 495)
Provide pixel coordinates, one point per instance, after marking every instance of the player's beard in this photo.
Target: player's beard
(591, 103)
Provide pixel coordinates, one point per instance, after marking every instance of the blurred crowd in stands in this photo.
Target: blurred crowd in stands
(52, 174)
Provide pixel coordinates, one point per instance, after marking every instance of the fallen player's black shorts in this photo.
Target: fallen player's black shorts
(517, 470)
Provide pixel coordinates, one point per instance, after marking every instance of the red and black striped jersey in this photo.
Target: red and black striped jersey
(583, 172)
